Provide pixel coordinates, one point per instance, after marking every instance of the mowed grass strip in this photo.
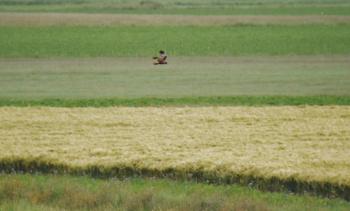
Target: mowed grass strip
(119, 81)
(75, 19)
(132, 41)
(300, 147)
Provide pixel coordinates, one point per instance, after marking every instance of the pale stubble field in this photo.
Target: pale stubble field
(308, 143)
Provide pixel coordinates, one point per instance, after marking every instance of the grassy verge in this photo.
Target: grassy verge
(186, 101)
(273, 184)
(79, 41)
(53, 192)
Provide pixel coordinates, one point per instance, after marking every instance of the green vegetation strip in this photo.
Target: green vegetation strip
(51, 192)
(186, 101)
(291, 185)
(193, 7)
(124, 41)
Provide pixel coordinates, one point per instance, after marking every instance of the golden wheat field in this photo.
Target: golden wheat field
(309, 143)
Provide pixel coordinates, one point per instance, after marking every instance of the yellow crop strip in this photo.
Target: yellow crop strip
(310, 143)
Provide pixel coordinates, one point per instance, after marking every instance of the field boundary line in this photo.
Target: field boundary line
(272, 184)
(184, 101)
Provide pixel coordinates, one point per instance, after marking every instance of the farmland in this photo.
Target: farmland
(186, 139)
(77, 193)
(34, 79)
(255, 97)
(19, 192)
(126, 41)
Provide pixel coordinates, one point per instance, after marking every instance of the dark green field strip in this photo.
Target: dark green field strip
(123, 41)
(291, 185)
(187, 101)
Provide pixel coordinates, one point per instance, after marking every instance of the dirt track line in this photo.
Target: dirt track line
(52, 19)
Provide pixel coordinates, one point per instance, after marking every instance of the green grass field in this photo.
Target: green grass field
(38, 79)
(123, 41)
(39, 192)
